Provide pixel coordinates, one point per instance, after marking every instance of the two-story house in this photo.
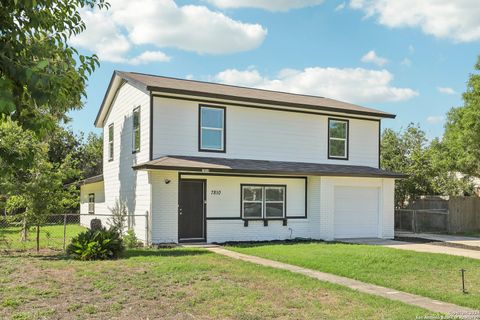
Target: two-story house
(212, 162)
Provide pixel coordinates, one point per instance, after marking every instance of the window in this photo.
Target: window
(263, 202)
(91, 203)
(212, 129)
(110, 142)
(136, 130)
(337, 139)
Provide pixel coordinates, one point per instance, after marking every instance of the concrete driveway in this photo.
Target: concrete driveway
(467, 242)
(420, 247)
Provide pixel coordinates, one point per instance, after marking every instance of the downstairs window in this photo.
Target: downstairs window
(263, 201)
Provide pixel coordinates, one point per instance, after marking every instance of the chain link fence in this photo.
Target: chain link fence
(58, 230)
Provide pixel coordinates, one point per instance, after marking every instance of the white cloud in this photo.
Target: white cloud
(340, 7)
(406, 62)
(271, 5)
(371, 57)
(161, 23)
(446, 90)
(149, 56)
(456, 20)
(357, 85)
(435, 119)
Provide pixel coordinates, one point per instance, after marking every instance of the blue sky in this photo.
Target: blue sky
(400, 56)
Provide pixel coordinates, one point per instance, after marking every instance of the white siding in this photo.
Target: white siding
(96, 188)
(165, 209)
(227, 204)
(121, 181)
(260, 134)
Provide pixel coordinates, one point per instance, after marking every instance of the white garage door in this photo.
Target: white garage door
(356, 212)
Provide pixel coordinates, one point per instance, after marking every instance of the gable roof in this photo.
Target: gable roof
(153, 83)
(224, 165)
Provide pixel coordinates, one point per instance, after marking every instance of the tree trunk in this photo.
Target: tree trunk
(24, 230)
(38, 238)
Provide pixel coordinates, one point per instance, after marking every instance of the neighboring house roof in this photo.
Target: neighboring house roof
(229, 92)
(93, 179)
(263, 167)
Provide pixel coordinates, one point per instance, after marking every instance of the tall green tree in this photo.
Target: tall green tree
(462, 129)
(41, 76)
(428, 169)
(34, 190)
(405, 153)
(91, 155)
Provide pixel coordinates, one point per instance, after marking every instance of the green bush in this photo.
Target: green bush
(96, 245)
(130, 239)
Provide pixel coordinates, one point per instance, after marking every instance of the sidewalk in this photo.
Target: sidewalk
(419, 301)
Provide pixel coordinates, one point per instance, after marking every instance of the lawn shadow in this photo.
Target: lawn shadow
(163, 252)
(250, 244)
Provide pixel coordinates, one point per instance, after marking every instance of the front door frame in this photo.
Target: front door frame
(204, 209)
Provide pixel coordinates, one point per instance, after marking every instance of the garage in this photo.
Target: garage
(356, 212)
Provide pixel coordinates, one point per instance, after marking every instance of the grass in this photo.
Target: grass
(427, 274)
(177, 284)
(51, 237)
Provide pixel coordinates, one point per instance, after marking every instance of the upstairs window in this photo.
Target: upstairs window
(212, 129)
(136, 130)
(91, 203)
(263, 202)
(338, 139)
(110, 142)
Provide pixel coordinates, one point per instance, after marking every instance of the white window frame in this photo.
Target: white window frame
(264, 201)
(253, 201)
(110, 142)
(345, 140)
(274, 201)
(222, 129)
(136, 148)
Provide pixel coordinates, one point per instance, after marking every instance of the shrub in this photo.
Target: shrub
(119, 216)
(96, 245)
(130, 239)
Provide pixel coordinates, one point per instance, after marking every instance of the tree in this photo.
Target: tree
(34, 190)
(405, 153)
(41, 76)
(462, 129)
(91, 155)
(428, 170)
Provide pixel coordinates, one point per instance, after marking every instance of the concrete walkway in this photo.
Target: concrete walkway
(419, 301)
(419, 247)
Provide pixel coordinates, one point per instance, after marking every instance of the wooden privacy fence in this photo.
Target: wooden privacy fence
(440, 214)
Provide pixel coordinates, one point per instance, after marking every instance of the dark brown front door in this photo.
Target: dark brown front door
(191, 211)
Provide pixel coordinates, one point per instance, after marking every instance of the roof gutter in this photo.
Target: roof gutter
(245, 171)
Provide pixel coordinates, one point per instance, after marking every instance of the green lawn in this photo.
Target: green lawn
(176, 284)
(427, 274)
(51, 237)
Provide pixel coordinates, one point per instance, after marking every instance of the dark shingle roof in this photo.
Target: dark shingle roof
(244, 94)
(225, 165)
(91, 179)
